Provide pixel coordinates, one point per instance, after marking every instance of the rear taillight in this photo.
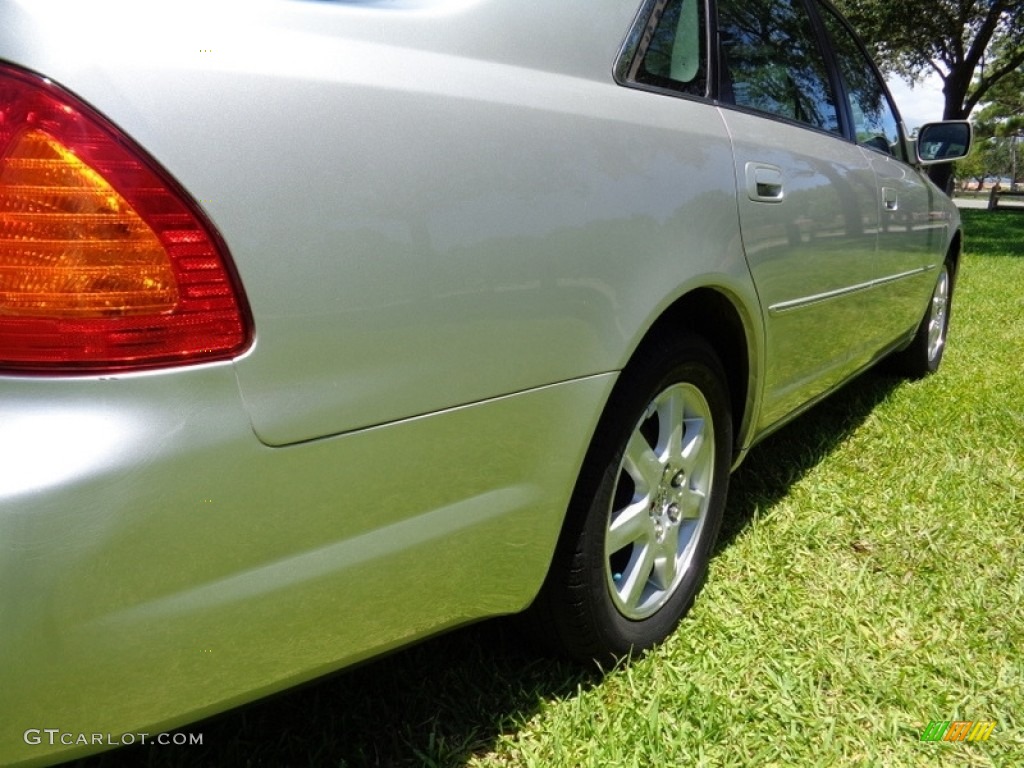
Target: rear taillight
(105, 262)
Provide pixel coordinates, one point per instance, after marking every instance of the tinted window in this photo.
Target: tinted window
(771, 61)
(874, 120)
(674, 53)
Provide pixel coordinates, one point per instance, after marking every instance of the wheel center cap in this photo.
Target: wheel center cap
(666, 509)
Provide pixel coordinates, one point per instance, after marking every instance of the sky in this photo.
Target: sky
(920, 104)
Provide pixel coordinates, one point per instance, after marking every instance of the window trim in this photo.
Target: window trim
(638, 39)
(850, 132)
(831, 73)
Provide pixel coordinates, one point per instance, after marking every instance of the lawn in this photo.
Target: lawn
(869, 581)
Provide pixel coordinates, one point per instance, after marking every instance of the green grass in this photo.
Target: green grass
(869, 580)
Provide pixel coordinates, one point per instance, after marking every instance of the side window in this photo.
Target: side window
(771, 61)
(672, 47)
(874, 119)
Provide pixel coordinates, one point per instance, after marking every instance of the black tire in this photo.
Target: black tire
(645, 490)
(924, 355)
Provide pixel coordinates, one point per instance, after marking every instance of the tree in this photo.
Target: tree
(990, 157)
(971, 44)
(1003, 112)
(1000, 125)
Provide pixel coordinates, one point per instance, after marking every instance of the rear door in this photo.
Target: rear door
(807, 200)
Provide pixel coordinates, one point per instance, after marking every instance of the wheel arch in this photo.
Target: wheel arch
(955, 251)
(715, 316)
(719, 319)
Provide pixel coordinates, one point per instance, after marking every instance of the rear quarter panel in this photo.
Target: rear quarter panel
(429, 203)
(451, 241)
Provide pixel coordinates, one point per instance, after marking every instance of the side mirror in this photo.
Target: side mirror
(943, 142)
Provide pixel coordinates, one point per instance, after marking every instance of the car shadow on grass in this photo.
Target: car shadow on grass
(435, 704)
(786, 456)
(449, 698)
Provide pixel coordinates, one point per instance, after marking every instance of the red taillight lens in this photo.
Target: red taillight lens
(105, 263)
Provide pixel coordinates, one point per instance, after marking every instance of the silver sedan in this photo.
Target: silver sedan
(328, 326)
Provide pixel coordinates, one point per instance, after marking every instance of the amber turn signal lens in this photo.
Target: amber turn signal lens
(70, 245)
(106, 264)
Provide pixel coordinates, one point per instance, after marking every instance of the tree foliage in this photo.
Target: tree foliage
(971, 44)
(990, 158)
(1003, 112)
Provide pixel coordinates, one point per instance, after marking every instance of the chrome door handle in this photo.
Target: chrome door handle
(890, 199)
(765, 183)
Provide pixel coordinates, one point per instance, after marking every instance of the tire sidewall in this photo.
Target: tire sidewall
(689, 361)
(914, 361)
(931, 364)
